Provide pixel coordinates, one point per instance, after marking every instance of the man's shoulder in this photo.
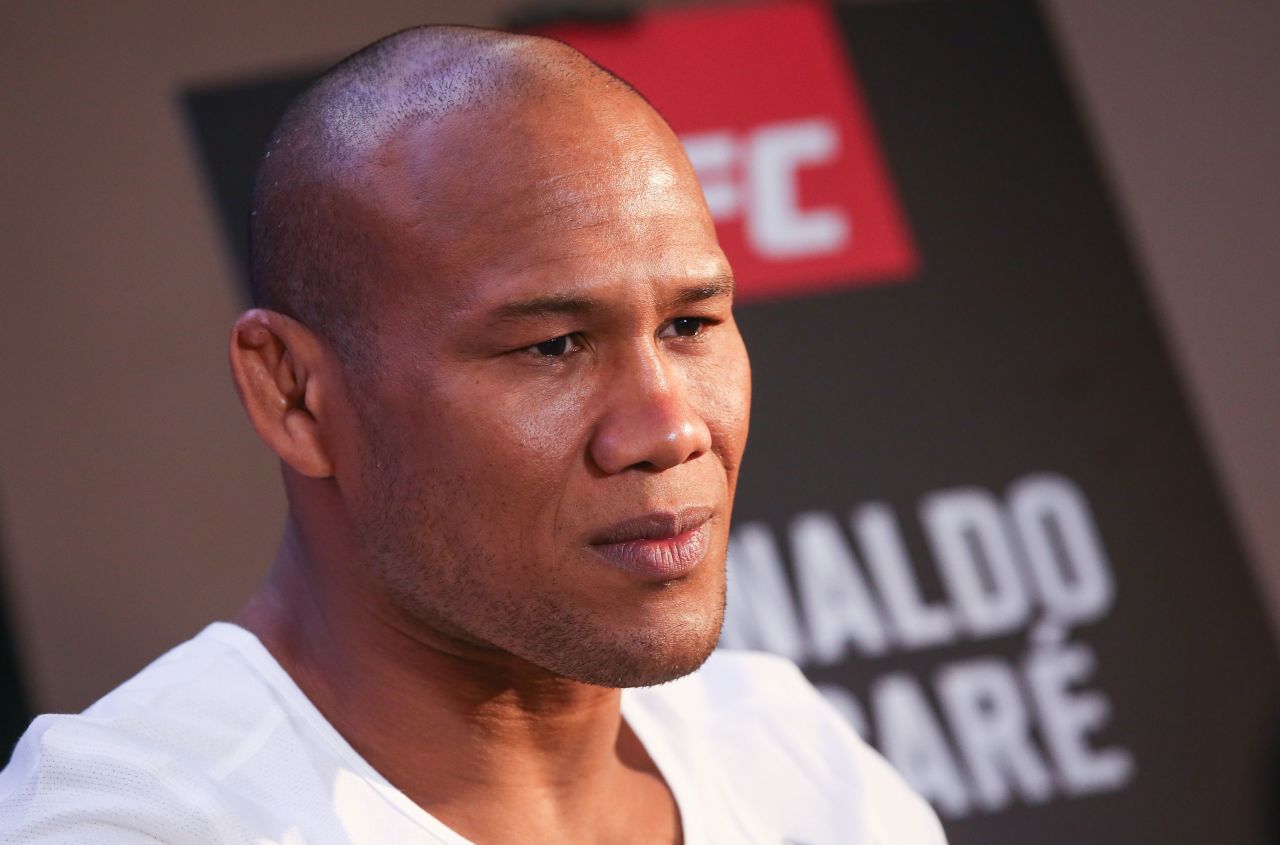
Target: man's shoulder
(733, 684)
(190, 700)
(738, 675)
(143, 756)
(774, 734)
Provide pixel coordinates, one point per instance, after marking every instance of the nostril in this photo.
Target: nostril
(647, 439)
(650, 424)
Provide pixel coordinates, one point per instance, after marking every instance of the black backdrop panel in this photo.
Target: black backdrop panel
(975, 507)
(1026, 345)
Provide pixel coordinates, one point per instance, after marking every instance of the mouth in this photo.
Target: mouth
(657, 546)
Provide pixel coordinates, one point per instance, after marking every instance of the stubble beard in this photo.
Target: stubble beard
(433, 575)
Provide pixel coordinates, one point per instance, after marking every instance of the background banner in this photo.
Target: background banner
(975, 508)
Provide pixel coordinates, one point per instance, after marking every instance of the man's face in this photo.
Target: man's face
(549, 449)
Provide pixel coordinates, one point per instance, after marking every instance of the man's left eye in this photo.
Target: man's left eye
(684, 327)
(556, 347)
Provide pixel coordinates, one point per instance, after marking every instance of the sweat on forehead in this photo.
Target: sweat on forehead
(309, 256)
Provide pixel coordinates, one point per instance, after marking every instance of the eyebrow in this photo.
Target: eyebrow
(543, 306)
(716, 286)
(553, 304)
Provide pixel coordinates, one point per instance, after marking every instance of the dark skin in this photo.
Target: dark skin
(556, 353)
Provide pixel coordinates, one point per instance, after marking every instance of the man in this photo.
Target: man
(496, 356)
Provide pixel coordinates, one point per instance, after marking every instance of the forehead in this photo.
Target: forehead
(569, 190)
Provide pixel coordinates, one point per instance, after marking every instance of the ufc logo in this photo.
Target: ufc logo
(755, 177)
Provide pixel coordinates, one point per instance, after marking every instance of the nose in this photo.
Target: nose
(649, 422)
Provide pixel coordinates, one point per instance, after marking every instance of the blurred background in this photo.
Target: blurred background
(1035, 331)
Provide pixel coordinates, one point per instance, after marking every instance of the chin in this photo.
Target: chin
(642, 657)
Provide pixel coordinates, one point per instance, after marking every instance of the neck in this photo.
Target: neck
(460, 728)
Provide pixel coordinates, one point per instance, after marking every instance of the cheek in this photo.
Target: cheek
(540, 425)
(512, 446)
(724, 396)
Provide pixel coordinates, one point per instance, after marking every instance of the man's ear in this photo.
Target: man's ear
(282, 372)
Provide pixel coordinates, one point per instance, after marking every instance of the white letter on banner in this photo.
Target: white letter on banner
(917, 624)
(989, 721)
(1065, 555)
(972, 546)
(712, 155)
(837, 602)
(759, 612)
(1067, 719)
(913, 741)
(776, 225)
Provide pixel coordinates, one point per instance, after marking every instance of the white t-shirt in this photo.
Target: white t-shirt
(214, 743)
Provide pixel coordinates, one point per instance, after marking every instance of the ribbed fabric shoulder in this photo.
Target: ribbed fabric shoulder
(211, 743)
(122, 771)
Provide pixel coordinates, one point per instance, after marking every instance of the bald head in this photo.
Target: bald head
(511, 255)
(317, 246)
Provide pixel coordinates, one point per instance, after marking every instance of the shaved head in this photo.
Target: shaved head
(516, 345)
(315, 254)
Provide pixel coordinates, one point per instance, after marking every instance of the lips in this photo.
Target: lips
(657, 546)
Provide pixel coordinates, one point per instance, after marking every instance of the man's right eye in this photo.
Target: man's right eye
(556, 347)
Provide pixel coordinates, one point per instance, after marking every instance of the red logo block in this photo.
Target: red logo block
(773, 119)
